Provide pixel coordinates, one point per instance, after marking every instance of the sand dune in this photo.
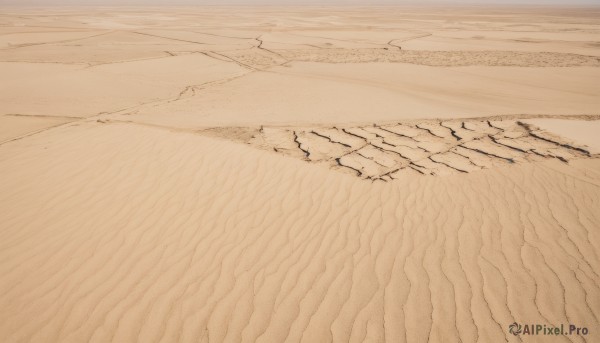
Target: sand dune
(227, 174)
(258, 247)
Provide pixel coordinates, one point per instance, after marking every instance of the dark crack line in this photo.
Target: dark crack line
(567, 146)
(494, 127)
(447, 165)
(359, 173)
(306, 152)
(425, 150)
(329, 139)
(396, 133)
(462, 126)
(560, 158)
(506, 145)
(452, 132)
(510, 160)
(468, 159)
(259, 46)
(371, 159)
(388, 174)
(416, 169)
(419, 167)
(549, 156)
(373, 179)
(394, 45)
(355, 135)
(386, 150)
(537, 153)
(428, 130)
(355, 150)
(375, 133)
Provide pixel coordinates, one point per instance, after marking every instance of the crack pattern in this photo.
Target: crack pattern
(388, 151)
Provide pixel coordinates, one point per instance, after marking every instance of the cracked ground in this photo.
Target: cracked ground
(298, 174)
(390, 151)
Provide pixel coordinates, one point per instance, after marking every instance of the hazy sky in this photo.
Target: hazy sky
(287, 2)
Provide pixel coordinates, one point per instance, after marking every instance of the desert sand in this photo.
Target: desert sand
(298, 174)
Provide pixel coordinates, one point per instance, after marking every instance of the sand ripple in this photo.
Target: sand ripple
(124, 233)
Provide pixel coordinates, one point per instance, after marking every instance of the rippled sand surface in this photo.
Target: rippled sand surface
(236, 174)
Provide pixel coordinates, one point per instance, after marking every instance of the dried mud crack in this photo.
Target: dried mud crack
(429, 147)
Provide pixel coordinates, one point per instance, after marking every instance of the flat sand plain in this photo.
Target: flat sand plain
(298, 174)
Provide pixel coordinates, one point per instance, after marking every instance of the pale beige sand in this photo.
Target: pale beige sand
(174, 236)
(14, 126)
(586, 133)
(349, 93)
(67, 90)
(298, 174)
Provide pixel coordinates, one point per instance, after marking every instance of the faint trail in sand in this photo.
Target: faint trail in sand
(169, 38)
(56, 42)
